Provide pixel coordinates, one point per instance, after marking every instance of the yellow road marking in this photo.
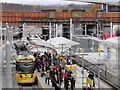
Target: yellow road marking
(40, 82)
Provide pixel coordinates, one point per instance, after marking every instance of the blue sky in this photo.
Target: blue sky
(41, 2)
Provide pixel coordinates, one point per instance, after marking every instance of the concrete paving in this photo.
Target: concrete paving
(78, 83)
(42, 82)
(79, 80)
(112, 63)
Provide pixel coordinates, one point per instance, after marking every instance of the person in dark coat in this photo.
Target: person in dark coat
(91, 76)
(37, 65)
(49, 61)
(66, 83)
(52, 75)
(35, 54)
(72, 83)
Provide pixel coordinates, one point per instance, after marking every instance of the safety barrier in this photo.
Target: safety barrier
(106, 76)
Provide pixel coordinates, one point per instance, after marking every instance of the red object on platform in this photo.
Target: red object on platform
(105, 36)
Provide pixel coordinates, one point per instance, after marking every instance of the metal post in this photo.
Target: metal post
(106, 8)
(5, 35)
(61, 30)
(7, 29)
(23, 31)
(50, 32)
(98, 78)
(70, 29)
(82, 71)
(56, 29)
(82, 68)
(9, 37)
(70, 58)
(104, 50)
(12, 34)
(8, 66)
(1, 39)
(73, 28)
(100, 31)
(85, 29)
(62, 47)
(92, 43)
(97, 30)
(111, 29)
(94, 79)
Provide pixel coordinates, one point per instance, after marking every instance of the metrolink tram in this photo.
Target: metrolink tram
(25, 69)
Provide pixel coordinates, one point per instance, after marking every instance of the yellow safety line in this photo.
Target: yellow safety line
(40, 82)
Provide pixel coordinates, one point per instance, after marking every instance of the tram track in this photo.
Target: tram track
(28, 86)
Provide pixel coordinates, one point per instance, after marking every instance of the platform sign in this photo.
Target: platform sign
(106, 36)
(89, 81)
(98, 49)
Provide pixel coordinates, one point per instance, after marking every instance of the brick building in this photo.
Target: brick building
(107, 8)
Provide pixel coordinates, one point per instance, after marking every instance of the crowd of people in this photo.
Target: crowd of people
(52, 69)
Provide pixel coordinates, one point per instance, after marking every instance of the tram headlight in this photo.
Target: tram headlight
(31, 76)
(21, 76)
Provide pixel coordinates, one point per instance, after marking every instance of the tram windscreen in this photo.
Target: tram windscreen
(25, 67)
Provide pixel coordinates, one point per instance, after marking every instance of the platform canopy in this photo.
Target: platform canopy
(57, 42)
(42, 43)
(114, 41)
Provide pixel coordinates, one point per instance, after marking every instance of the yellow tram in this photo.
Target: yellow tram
(25, 69)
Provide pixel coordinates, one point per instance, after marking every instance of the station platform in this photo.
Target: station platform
(78, 81)
(112, 63)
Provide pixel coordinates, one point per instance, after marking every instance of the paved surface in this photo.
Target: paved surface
(42, 82)
(92, 57)
(78, 81)
(112, 63)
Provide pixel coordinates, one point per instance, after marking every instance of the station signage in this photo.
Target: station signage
(106, 36)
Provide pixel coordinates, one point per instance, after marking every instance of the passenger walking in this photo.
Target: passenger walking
(52, 75)
(66, 83)
(72, 83)
(47, 77)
